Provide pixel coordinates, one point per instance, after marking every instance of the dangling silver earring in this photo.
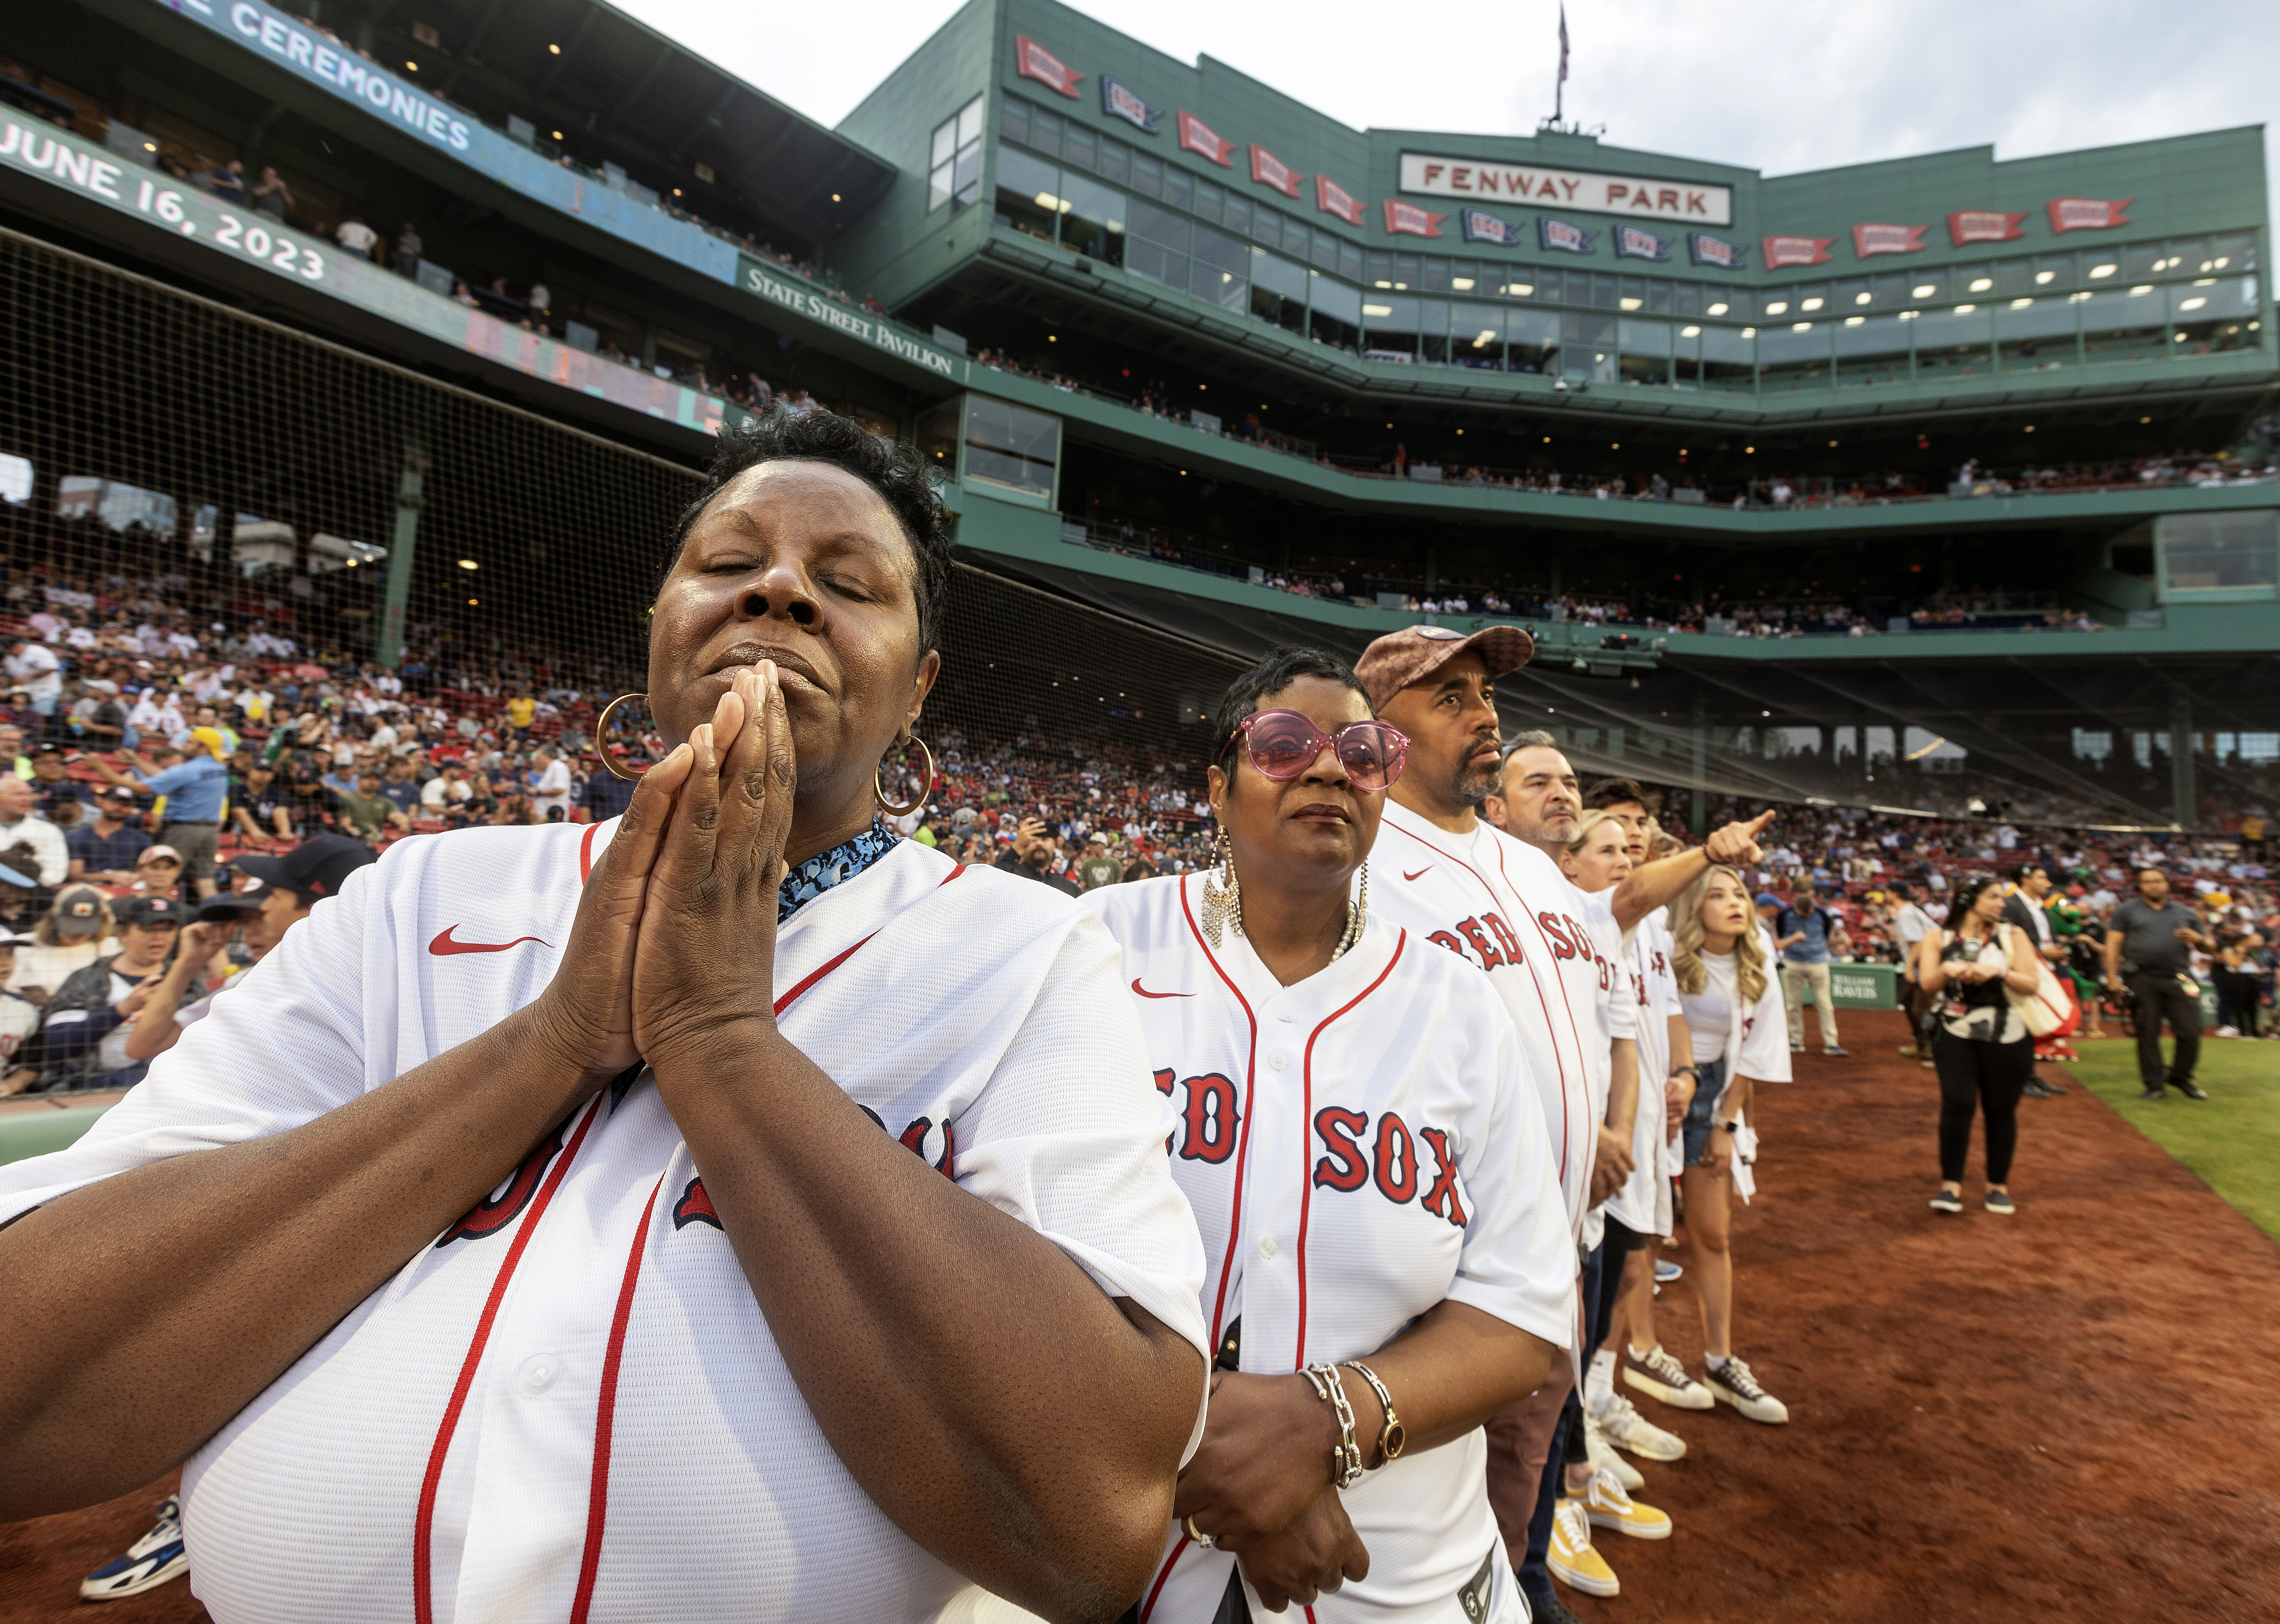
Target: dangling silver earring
(1223, 901)
(1357, 917)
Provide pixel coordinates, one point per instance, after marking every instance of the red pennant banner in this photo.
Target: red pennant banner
(2089, 213)
(1983, 226)
(1407, 219)
(1870, 240)
(1269, 170)
(1797, 250)
(1331, 199)
(1034, 61)
(1197, 136)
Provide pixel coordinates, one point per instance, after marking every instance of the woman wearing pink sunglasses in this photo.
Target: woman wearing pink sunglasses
(1387, 1253)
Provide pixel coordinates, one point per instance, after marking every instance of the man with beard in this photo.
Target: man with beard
(1502, 904)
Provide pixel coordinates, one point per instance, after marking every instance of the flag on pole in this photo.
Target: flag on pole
(1563, 41)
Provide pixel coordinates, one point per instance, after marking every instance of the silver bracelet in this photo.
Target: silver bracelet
(1345, 1456)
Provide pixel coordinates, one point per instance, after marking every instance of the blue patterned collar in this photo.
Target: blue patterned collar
(809, 880)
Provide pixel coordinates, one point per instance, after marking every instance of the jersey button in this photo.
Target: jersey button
(1267, 1248)
(1278, 1059)
(537, 1373)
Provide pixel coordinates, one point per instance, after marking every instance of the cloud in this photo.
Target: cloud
(1807, 85)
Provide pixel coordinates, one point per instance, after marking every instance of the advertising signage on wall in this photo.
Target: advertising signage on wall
(1573, 189)
(1034, 61)
(1118, 101)
(94, 173)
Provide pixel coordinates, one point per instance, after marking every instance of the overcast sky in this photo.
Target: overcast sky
(1804, 85)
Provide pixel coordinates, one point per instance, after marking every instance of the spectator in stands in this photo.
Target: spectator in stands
(159, 872)
(20, 1019)
(228, 182)
(104, 850)
(359, 239)
(261, 806)
(606, 795)
(105, 724)
(270, 195)
(365, 813)
(550, 795)
(72, 934)
(521, 711)
(409, 252)
(85, 1025)
(51, 781)
(37, 845)
(13, 759)
(1032, 853)
(450, 796)
(193, 785)
(33, 666)
(1807, 934)
(2149, 941)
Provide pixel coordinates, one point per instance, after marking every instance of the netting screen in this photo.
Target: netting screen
(172, 468)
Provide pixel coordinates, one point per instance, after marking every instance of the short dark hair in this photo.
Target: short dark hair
(903, 482)
(1272, 675)
(2020, 873)
(1615, 792)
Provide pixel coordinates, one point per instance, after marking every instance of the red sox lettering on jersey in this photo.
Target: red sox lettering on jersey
(1357, 1147)
(1501, 906)
(518, 1418)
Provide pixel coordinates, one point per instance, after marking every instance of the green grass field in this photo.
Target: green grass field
(2233, 1141)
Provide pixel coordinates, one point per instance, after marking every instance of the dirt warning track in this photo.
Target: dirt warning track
(2065, 1414)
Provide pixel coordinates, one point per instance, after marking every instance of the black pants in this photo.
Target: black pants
(2159, 996)
(1976, 1077)
(2237, 998)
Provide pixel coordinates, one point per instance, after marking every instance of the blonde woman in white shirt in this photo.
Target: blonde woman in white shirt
(1736, 1026)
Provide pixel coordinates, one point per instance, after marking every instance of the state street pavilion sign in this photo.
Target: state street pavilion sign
(1695, 202)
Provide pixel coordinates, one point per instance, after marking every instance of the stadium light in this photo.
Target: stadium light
(411, 67)
(469, 563)
(554, 50)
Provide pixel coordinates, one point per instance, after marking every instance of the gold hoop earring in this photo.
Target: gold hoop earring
(925, 794)
(601, 738)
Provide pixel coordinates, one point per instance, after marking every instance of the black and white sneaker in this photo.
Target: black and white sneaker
(1732, 1383)
(149, 1563)
(2190, 1089)
(1947, 1201)
(2000, 1202)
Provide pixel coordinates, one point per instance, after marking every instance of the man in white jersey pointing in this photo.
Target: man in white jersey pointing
(1503, 905)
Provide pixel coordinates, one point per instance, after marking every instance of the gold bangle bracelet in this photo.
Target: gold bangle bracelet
(1393, 1434)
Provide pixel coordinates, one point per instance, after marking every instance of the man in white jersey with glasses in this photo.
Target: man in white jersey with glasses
(1502, 904)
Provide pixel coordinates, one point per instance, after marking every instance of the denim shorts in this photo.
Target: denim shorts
(1709, 1083)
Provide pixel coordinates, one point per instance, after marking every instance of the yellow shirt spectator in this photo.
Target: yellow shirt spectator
(521, 711)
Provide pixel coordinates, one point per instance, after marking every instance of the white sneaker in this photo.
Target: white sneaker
(150, 1562)
(1659, 1375)
(1604, 1457)
(1623, 1427)
(2228, 1031)
(1732, 1383)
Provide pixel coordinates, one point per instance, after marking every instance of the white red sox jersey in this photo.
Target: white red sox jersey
(1504, 907)
(1644, 1203)
(569, 1406)
(1357, 1147)
(1617, 1014)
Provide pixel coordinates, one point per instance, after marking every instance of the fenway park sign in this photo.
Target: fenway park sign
(1692, 200)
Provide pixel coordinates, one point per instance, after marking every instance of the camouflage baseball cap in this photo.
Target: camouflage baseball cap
(1400, 659)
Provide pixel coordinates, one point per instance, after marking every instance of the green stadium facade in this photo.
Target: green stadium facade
(1196, 357)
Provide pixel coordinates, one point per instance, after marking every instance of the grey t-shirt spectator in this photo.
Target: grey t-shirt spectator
(2149, 941)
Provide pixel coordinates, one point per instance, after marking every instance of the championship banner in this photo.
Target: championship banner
(1558, 233)
(1631, 243)
(1269, 170)
(1032, 60)
(1782, 251)
(1480, 227)
(1118, 102)
(1197, 136)
(1871, 240)
(1982, 225)
(1331, 199)
(1407, 219)
(1703, 248)
(2089, 213)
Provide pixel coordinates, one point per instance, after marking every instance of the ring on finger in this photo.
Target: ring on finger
(1203, 1540)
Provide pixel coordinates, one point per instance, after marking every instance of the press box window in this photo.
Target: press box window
(954, 159)
(1012, 451)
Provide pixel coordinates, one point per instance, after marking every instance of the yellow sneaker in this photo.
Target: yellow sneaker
(1608, 1506)
(1571, 1558)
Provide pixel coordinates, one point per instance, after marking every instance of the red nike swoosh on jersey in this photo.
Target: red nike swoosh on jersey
(1145, 993)
(1426, 870)
(442, 946)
